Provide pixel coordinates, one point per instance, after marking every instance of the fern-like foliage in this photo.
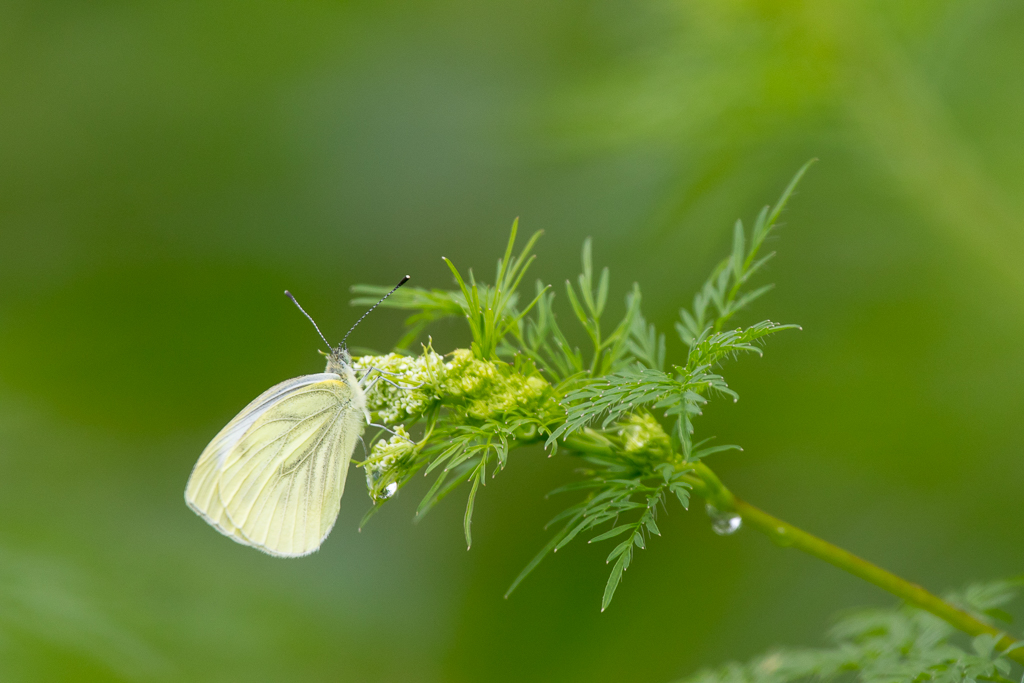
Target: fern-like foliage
(901, 645)
(490, 310)
(620, 402)
(679, 396)
(723, 294)
(617, 493)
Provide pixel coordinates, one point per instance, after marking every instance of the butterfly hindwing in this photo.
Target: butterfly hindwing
(274, 476)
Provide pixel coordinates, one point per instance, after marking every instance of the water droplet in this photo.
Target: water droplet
(388, 491)
(724, 523)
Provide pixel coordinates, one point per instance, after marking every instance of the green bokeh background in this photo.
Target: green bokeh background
(167, 169)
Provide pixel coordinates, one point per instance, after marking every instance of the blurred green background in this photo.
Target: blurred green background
(167, 169)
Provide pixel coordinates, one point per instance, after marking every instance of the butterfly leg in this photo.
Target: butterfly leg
(385, 375)
(389, 431)
(367, 387)
(399, 386)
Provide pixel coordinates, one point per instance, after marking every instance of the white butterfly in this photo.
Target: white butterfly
(273, 477)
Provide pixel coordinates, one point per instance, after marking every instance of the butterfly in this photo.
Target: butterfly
(273, 477)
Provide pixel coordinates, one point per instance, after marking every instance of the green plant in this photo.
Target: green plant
(620, 405)
(900, 645)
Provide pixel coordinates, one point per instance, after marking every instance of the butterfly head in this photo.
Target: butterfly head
(338, 359)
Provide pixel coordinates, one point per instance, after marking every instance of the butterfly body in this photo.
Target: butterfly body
(273, 477)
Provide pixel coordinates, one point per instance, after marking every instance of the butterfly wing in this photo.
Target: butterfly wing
(273, 477)
(201, 493)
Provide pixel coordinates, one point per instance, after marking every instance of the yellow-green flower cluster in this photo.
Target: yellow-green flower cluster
(380, 466)
(641, 432)
(487, 388)
(479, 389)
(402, 389)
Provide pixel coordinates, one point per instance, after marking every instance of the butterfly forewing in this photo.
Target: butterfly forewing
(274, 476)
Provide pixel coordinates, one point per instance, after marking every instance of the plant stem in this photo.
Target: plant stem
(707, 485)
(784, 534)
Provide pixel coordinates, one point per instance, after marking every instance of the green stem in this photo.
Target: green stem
(707, 485)
(784, 534)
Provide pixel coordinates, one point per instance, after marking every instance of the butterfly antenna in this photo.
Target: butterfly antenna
(289, 295)
(404, 280)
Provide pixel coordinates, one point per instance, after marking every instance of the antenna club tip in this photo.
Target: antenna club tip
(404, 280)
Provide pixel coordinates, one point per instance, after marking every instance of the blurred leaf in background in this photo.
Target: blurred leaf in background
(167, 169)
